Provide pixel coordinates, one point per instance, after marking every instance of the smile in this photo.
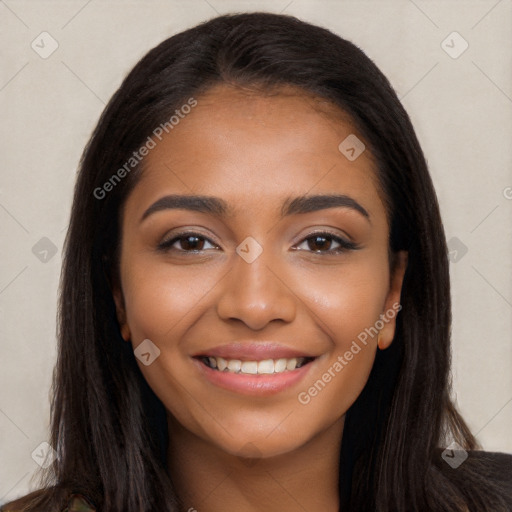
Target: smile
(254, 377)
(263, 367)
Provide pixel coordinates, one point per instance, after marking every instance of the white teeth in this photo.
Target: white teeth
(234, 365)
(267, 366)
(250, 367)
(280, 365)
(291, 364)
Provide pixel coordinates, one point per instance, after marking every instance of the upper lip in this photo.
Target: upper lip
(253, 351)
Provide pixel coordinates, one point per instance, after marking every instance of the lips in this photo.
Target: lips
(252, 351)
(254, 368)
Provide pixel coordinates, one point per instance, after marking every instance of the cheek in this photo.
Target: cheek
(162, 302)
(348, 305)
(345, 301)
(161, 299)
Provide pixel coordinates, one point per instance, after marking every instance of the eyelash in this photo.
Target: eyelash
(345, 245)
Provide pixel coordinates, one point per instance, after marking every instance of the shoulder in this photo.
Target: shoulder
(35, 502)
(79, 503)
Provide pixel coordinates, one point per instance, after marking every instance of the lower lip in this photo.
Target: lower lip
(260, 385)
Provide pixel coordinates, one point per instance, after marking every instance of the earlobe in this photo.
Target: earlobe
(392, 305)
(117, 295)
(125, 332)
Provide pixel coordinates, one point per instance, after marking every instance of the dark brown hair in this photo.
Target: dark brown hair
(109, 428)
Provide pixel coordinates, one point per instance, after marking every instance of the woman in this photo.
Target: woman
(255, 304)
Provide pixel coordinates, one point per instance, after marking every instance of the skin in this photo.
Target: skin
(254, 151)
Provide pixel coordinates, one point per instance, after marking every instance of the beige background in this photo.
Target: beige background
(461, 108)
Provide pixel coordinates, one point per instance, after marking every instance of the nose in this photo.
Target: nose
(256, 293)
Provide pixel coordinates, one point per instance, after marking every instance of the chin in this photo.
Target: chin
(262, 448)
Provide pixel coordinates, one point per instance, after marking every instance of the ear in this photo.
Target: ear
(117, 294)
(392, 303)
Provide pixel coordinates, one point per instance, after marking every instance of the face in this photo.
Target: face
(281, 273)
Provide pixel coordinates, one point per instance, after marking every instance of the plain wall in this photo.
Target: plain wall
(460, 105)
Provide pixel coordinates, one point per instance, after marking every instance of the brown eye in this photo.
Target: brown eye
(321, 243)
(186, 242)
(191, 243)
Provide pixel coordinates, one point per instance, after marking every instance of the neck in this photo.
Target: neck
(208, 479)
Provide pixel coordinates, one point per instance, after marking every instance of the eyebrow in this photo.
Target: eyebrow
(219, 207)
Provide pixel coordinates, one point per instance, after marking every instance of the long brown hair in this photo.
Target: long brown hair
(109, 428)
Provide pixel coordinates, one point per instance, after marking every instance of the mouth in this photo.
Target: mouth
(254, 376)
(255, 367)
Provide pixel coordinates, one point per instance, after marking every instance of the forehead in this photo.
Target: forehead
(246, 146)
